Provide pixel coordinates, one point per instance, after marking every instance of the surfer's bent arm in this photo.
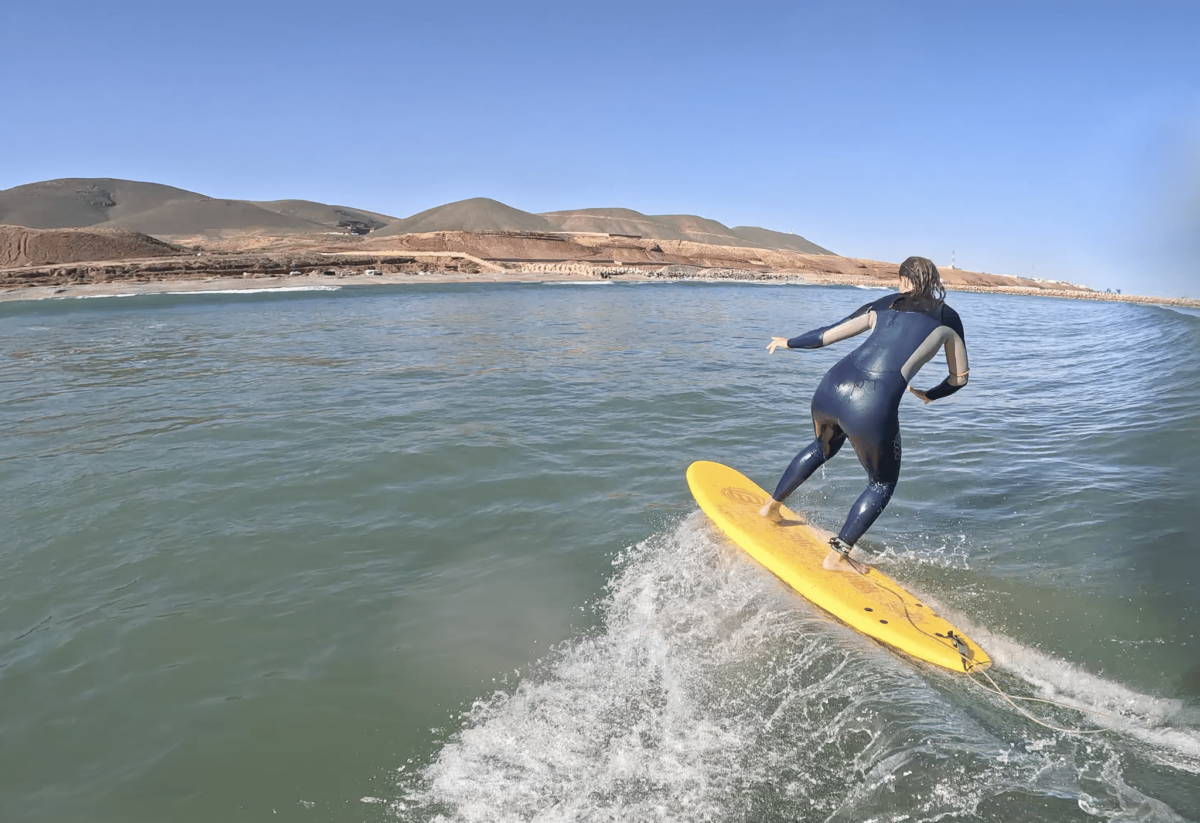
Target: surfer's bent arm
(857, 323)
(956, 358)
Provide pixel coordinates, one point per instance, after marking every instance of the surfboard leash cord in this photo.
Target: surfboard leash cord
(970, 670)
(1010, 698)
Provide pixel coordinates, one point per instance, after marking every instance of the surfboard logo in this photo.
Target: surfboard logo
(742, 496)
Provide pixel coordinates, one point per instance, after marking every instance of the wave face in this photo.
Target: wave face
(711, 693)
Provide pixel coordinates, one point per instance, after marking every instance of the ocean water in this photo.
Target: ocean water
(427, 553)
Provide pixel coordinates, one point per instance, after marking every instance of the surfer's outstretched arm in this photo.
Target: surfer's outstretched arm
(857, 323)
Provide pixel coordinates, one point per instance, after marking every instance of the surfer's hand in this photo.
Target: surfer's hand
(776, 343)
(920, 395)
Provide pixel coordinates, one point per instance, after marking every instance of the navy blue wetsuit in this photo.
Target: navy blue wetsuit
(859, 398)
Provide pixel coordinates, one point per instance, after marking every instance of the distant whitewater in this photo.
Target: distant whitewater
(185, 292)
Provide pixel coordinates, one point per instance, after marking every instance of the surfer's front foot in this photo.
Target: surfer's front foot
(771, 511)
(835, 561)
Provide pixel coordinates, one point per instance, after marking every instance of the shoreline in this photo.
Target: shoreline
(260, 261)
(308, 282)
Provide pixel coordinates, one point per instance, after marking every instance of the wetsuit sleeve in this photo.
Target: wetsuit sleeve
(856, 323)
(956, 357)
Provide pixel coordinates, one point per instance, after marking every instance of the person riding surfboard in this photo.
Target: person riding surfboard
(859, 398)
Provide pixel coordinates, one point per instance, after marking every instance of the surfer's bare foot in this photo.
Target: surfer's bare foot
(838, 562)
(771, 511)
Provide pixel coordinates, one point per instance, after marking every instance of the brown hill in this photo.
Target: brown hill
(613, 221)
(767, 239)
(677, 227)
(20, 246)
(476, 214)
(77, 202)
(186, 218)
(155, 209)
(331, 216)
(490, 246)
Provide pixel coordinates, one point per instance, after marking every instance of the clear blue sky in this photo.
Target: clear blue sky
(1053, 138)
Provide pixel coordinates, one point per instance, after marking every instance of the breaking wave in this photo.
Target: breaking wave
(197, 291)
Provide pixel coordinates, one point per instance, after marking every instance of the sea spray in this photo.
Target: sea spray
(711, 692)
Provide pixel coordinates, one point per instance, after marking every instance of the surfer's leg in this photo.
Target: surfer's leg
(803, 465)
(882, 462)
(829, 440)
(866, 510)
(880, 456)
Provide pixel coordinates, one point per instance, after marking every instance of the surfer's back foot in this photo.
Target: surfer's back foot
(837, 562)
(771, 511)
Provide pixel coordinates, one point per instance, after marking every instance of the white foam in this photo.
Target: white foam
(1165, 725)
(92, 296)
(198, 291)
(941, 551)
(256, 291)
(712, 692)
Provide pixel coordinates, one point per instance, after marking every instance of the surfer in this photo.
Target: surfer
(859, 398)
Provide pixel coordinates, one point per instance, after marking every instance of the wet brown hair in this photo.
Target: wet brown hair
(925, 278)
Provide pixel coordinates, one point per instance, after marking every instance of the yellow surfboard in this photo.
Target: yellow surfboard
(873, 603)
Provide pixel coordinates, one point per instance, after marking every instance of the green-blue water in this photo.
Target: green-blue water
(427, 552)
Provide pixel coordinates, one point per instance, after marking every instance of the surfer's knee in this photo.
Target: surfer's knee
(884, 489)
(799, 470)
(873, 500)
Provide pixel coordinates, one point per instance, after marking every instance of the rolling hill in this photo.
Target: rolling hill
(325, 215)
(677, 227)
(767, 239)
(476, 214)
(177, 218)
(75, 202)
(173, 213)
(152, 208)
